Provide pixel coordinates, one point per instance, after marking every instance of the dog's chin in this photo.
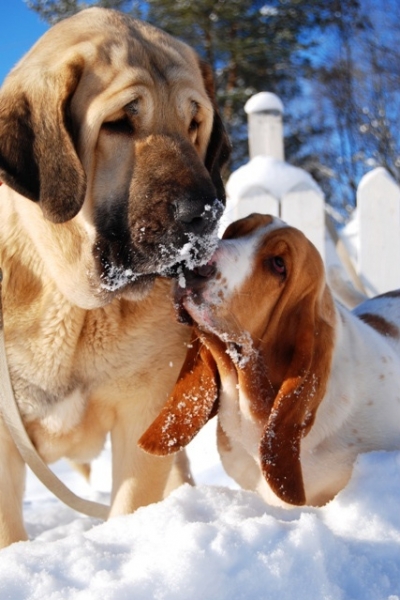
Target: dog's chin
(190, 308)
(130, 273)
(138, 289)
(182, 315)
(105, 289)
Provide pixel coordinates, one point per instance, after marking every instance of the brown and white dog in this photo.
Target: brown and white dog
(111, 147)
(301, 384)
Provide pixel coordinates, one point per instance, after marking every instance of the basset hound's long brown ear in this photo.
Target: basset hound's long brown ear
(37, 151)
(219, 147)
(194, 400)
(300, 351)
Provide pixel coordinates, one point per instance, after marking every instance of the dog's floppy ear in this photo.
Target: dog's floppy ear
(37, 153)
(192, 403)
(219, 147)
(300, 349)
(288, 379)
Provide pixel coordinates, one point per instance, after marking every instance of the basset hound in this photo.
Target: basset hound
(301, 384)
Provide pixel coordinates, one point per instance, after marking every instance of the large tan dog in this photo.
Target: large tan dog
(110, 155)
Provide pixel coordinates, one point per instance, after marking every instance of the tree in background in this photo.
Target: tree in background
(325, 59)
(355, 92)
(251, 47)
(53, 11)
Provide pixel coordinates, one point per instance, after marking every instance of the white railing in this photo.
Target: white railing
(364, 259)
(378, 213)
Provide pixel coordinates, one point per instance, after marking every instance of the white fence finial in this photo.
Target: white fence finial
(265, 112)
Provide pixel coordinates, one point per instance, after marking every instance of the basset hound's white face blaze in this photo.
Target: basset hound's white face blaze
(248, 274)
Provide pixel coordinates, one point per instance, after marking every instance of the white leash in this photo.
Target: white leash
(12, 418)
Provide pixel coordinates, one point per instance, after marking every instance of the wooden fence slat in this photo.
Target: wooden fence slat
(304, 208)
(259, 202)
(378, 202)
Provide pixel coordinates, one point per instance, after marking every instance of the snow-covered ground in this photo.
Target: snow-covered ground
(212, 542)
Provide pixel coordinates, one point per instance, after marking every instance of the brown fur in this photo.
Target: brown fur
(110, 151)
(380, 324)
(189, 406)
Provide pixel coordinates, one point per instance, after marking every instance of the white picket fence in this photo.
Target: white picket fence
(364, 258)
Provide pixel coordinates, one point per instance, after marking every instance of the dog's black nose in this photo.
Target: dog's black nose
(196, 215)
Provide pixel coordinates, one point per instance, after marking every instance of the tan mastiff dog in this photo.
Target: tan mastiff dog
(110, 154)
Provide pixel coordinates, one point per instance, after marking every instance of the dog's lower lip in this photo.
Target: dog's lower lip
(182, 315)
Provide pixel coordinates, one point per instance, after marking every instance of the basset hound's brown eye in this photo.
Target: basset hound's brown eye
(119, 126)
(278, 265)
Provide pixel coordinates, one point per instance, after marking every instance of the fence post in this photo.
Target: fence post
(265, 125)
(267, 184)
(378, 207)
(265, 133)
(303, 207)
(256, 200)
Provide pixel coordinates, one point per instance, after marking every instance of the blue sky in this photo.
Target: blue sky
(20, 28)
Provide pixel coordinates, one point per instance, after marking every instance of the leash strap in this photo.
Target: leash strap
(12, 418)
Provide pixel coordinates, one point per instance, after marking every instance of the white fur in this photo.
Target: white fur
(361, 408)
(235, 257)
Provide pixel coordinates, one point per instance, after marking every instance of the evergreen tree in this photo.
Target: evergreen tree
(355, 94)
(53, 11)
(250, 45)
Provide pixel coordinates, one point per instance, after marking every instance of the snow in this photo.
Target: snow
(263, 101)
(212, 541)
(273, 175)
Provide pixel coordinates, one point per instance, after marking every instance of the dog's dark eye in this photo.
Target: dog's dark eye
(120, 126)
(133, 107)
(278, 265)
(194, 125)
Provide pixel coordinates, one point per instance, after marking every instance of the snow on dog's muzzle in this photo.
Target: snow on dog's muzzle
(190, 283)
